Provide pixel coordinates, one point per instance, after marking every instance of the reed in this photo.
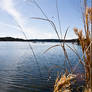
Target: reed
(63, 82)
(85, 42)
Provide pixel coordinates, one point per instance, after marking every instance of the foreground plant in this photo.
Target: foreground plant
(63, 83)
(85, 42)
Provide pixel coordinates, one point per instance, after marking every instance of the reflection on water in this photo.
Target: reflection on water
(19, 72)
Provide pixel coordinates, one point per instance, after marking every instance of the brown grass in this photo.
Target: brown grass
(85, 42)
(63, 83)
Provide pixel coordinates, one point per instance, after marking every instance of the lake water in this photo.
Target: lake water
(19, 72)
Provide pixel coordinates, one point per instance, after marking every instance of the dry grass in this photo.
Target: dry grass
(85, 42)
(63, 83)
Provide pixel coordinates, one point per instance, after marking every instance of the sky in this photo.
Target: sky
(16, 18)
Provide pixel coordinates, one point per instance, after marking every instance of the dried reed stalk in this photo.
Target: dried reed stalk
(63, 84)
(85, 42)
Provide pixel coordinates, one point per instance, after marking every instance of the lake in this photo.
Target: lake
(20, 72)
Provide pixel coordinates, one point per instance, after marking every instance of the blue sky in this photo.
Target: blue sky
(14, 12)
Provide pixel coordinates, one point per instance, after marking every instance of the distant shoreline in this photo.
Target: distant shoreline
(36, 40)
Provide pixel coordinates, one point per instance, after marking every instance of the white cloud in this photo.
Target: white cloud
(33, 33)
(8, 6)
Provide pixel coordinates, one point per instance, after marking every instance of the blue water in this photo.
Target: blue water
(20, 72)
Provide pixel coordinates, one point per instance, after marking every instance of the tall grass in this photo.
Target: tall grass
(63, 82)
(55, 29)
(86, 43)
